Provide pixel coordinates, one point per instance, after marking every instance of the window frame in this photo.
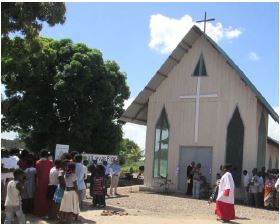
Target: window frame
(159, 125)
(198, 63)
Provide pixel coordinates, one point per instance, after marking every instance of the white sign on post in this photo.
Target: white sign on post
(60, 150)
(99, 158)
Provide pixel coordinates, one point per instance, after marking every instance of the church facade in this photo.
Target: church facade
(200, 107)
(272, 154)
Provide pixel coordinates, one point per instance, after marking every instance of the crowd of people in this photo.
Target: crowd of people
(261, 188)
(223, 192)
(34, 183)
(197, 186)
(52, 189)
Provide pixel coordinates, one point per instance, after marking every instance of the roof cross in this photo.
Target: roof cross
(205, 20)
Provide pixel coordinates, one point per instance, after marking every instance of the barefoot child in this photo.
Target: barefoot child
(59, 192)
(13, 198)
(98, 188)
(70, 200)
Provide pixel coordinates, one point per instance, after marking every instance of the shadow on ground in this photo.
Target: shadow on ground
(36, 220)
(242, 218)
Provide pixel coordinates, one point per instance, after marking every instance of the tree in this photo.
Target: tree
(129, 151)
(27, 17)
(134, 155)
(64, 93)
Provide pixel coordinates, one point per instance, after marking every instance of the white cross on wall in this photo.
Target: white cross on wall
(197, 97)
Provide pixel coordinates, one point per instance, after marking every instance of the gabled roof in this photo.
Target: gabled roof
(272, 141)
(138, 109)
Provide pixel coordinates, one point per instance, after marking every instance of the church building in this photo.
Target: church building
(199, 106)
(272, 154)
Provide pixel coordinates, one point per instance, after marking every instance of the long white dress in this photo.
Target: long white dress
(225, 199)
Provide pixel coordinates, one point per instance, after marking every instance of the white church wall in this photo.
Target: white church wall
(236, 93)
(273, 153)
(180, 112)
(150, 136)
(259, 114)
(233, 92)
(214, 113)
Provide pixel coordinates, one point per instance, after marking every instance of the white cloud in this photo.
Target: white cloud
(134, 132)
(166, 32)
(273, 127)
(253, 56)
(232, 33)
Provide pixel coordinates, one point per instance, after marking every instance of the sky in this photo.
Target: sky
(140, 37)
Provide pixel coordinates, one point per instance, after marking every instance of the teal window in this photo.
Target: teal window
(200, 69)
(234, 145)
(261, 142)
(161, 146)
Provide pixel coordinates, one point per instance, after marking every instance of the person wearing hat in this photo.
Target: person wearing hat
(225, 200)
(115, 171)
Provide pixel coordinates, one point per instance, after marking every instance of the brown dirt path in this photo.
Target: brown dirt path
(147, 208)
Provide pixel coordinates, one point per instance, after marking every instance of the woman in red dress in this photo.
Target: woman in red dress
(43, 167)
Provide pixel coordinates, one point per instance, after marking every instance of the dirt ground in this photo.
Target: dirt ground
(146, 208)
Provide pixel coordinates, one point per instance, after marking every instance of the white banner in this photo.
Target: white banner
(60, 150)
(99, 158)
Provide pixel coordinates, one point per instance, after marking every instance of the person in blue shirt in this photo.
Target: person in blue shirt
(115, 171)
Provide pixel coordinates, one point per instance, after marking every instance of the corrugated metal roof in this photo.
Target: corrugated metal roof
(272, 141)
(138, 109)
(261, 99)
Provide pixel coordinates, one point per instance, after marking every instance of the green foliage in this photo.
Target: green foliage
(132, 165)
(134, 155)
(63, 93)
(129, 151)
(27, 17)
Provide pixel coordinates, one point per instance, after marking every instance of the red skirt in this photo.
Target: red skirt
(225, 210)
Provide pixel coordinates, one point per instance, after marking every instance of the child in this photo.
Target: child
(13, 199)
(214, 194)
(29, 187)
(8, 166)
(98, 188)
(53, 183)
(70, 200)
(59, 192)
